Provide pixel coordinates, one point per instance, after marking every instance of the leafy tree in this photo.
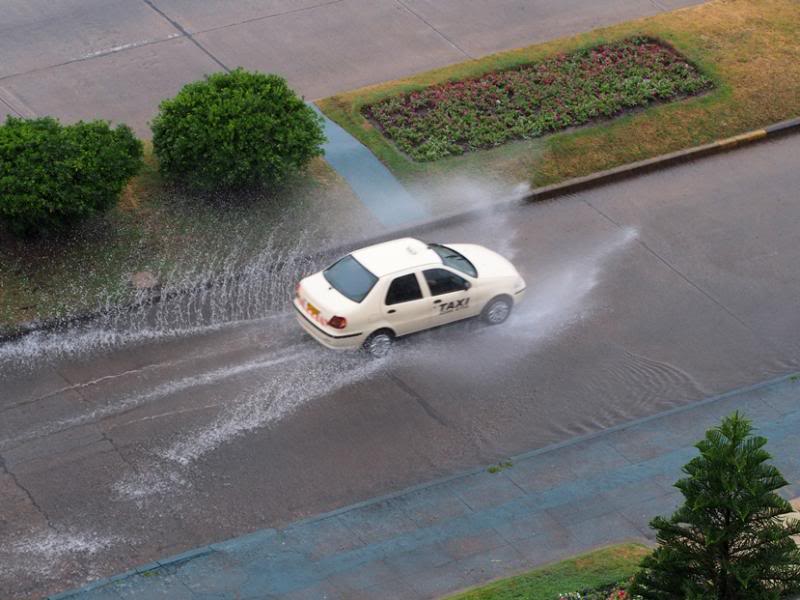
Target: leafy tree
(53, 174)
(235, 130)
(726, 541)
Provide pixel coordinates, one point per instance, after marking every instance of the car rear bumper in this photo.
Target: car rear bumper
(346, 341)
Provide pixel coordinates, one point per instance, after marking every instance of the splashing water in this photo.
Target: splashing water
(202, 293)
(283, 392)
(35, 553)
(166, 389)
(554, 302)
(457, 193)
(557, 298)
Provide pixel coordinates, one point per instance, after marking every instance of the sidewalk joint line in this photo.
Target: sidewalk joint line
(91, 57)
(518, 486)
(442, 35)
(11, 108)
(270, 16)
(188, 35)
(182, 34)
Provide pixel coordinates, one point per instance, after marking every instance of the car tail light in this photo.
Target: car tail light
(338, 322)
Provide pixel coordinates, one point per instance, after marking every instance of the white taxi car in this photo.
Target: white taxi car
(382, 292)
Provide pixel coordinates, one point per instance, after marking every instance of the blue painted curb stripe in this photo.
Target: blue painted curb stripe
(372, 182)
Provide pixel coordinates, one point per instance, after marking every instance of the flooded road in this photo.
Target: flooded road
(121, 443)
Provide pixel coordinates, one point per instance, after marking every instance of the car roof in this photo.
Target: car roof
(396, 255)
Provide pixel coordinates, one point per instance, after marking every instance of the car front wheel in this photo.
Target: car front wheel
(379, 344)
(497, 310)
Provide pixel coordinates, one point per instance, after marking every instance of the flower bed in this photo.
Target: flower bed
(533, 99)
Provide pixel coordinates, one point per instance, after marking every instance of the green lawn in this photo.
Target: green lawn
(166, 232)
(749, 49)
(597, 569)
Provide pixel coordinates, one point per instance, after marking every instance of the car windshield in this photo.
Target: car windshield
(350, 278)
(453, 259)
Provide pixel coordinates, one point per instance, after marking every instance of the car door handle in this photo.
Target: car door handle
(390, 311)
(437, 301)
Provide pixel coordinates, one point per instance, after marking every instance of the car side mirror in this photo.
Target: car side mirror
(467, 285)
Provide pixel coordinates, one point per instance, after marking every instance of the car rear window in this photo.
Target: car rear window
(350, 278)
(454, 259)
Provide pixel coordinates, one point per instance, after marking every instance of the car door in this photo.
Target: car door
(404, 306)
(449, 296)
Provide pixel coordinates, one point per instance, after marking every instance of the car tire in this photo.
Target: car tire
(497, 310)
(379, 344)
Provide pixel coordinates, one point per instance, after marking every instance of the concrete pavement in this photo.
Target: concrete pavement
(644, 295)
(117, 59)
(466, 530)
(372, 183)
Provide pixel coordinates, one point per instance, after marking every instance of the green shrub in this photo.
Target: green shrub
(235, 130)
(52, 175)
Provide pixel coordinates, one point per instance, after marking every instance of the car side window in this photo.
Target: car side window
(403, 289)
(442, 281)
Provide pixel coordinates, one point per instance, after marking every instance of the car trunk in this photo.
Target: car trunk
(320, 301)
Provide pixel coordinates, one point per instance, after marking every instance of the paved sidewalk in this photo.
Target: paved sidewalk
(455, 533)
(379, 191)
(117, 59)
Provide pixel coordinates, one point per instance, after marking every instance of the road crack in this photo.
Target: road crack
(28, 495)
(429, 410)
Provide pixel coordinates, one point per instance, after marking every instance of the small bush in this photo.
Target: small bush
(235, 130)
(52, 175)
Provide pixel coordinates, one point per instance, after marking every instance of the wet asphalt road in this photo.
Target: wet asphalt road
(643, 295)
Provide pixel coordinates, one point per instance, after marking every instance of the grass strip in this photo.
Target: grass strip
(748, 49)
(595, 570)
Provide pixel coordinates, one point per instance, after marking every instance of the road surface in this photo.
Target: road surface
(644, 295)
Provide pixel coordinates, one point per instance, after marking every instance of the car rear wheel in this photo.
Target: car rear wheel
(497, 310)
(379, 344)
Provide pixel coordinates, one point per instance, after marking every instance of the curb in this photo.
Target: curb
(220, 546)
(548, 192)
(665, 160)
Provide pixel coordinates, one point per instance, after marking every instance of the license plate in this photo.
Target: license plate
(312, 309)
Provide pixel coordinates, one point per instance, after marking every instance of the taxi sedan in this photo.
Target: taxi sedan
(379, 293)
